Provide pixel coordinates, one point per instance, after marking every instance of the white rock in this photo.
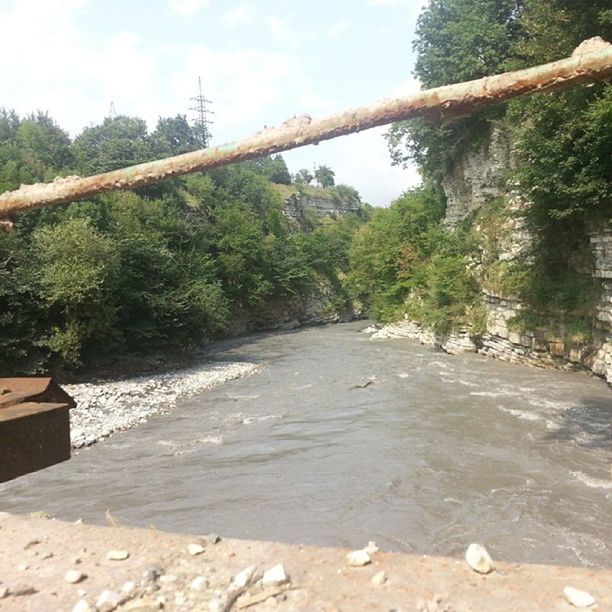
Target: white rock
(479, 559)
(195, 549)
(358, 558)
(379, 579)
(245, 577)
(108, 601)
(82, 606)
(117, 555)
(198, 584)
(371, 548)
(168, 578)
(128, 587)
(578, 598)
(3, 592)
(22, 567)
(274, 576)
(74, 576)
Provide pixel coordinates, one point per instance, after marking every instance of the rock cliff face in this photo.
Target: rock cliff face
(319, 203)
(480, 176)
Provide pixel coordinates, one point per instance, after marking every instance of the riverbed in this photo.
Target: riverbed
(339, 439)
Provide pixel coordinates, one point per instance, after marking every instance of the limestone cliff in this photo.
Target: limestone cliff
(479, 177)
(304, 201)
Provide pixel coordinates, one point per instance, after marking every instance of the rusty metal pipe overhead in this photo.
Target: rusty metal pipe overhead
(591, 61)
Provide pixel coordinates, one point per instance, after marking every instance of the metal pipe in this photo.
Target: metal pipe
(591, 61)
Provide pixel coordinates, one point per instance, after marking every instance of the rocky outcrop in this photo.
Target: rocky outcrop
(478, 177)
(320, 203)
(319, 307)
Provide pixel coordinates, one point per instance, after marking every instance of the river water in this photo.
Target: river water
(434, 452)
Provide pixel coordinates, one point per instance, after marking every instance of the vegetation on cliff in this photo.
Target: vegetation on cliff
(150, 271)
(561, 148)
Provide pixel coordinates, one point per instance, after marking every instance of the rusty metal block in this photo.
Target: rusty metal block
(34, 425)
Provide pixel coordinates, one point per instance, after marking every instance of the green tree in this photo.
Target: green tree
(272, 167)
(303, 177)
(173, 136)
(324, 175)
(78, 270)
(116, 143)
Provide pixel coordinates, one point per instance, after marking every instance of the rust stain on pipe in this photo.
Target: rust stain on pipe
(591, 61)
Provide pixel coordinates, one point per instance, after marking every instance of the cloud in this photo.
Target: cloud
(337, 29)
(398, 3)
(58, 69)
(248, 87)
(239, 15)
(187, 8)
(281, 31)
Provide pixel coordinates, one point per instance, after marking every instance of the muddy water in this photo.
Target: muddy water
(435, 452)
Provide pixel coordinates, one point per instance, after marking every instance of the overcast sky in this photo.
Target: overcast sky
(261, 61)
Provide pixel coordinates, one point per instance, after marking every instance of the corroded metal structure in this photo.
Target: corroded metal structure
(591, 61)
(34, 425)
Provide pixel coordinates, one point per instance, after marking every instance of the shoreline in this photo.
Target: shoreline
(54, 565)
(495, 347)
(106, 407)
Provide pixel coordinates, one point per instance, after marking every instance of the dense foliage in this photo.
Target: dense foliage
(561, 143)
(405, 262)
(158, 270)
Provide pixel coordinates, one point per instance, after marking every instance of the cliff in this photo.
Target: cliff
(304, 201)
(480, 178)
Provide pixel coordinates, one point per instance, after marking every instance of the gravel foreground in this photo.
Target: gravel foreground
(49, 565)
(109, 406)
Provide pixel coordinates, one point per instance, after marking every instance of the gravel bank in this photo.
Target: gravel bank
(109, 406)
(50, 565)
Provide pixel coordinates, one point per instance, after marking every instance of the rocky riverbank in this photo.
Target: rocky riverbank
(106, 407)
(505, 346)
(51, 565)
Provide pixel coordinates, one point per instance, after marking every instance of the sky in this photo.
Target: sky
(261, 62)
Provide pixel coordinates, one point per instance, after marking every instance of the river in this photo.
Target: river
(339, 440)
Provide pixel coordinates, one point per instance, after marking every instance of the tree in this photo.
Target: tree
(272, 167)
(303, 177)
(116, 143)
(324, 176)
(173, 136)
(457, 40)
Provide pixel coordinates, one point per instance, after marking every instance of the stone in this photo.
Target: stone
(195, 549)
(21, 590)
(142, 605)
(245, 577)
(128, 587)
(117, 555)
(168, 578)
(213, 538)
(22, 567)
(479, 559)
(371, 548)
(3, 592)
(198, 584)
(358, 558)
(82, 606)
(151, 574)
(74, 576)
(274, 576)
(108, 601)
(578, 598)
(379, 579)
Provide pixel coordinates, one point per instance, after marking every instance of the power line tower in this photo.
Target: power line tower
(112, 113)
(202, 122)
